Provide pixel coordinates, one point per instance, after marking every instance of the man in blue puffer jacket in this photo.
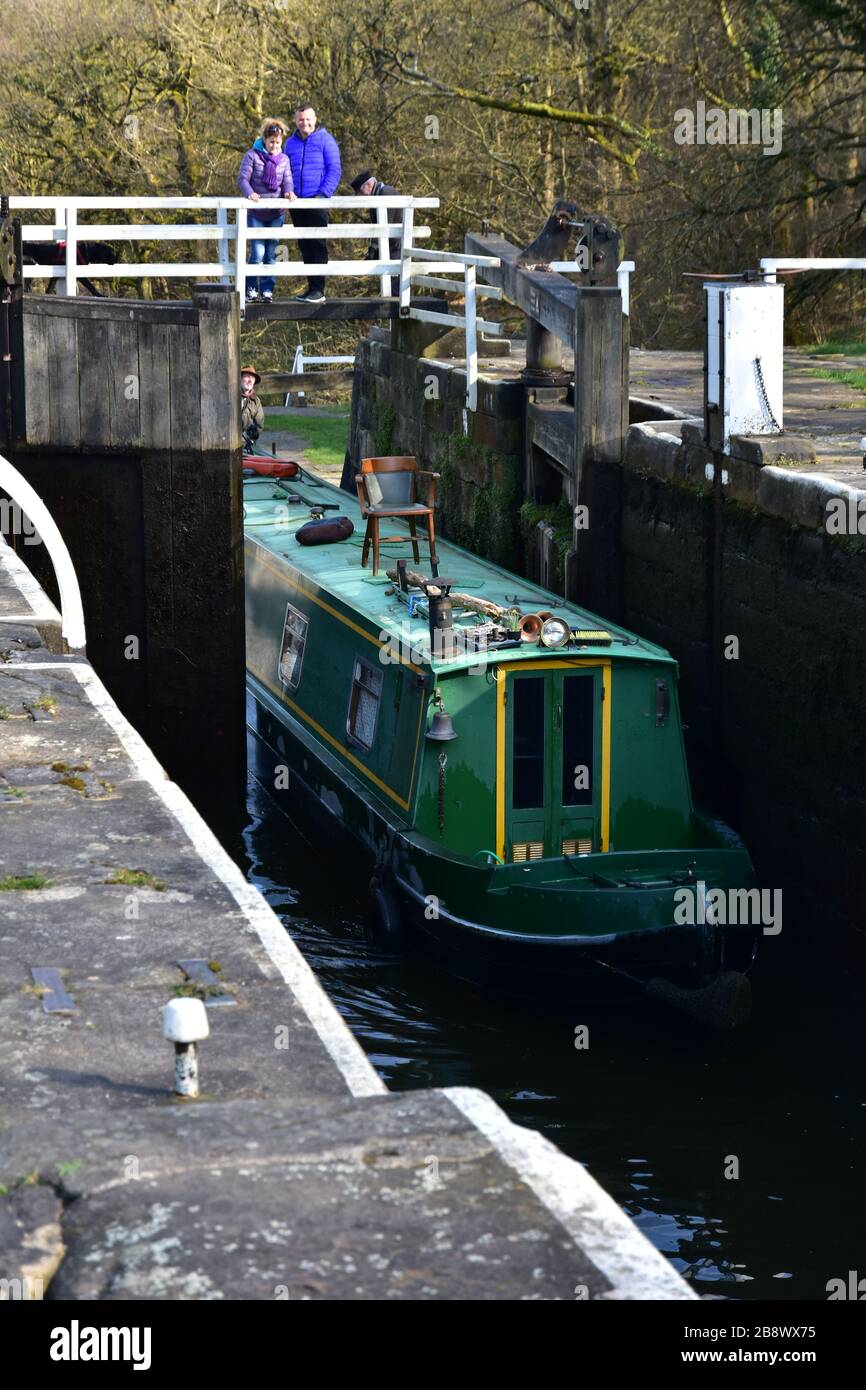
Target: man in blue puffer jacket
(316, 169)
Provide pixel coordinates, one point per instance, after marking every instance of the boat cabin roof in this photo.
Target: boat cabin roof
(334, 568)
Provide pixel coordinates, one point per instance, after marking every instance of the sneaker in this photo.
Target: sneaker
(252, 296)
(267, 297)
(313, 297)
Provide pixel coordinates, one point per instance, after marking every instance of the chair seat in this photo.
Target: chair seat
(397, 509)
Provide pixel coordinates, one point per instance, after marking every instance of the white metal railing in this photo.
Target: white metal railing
(230, 238)
(31, 504)
(301, 362)
(623, 276)
(446, 263)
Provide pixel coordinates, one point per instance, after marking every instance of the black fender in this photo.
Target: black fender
(387, 916)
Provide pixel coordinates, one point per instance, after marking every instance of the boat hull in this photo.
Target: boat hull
(522, 927)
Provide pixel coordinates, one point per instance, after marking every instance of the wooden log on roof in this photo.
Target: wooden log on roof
(475, 605)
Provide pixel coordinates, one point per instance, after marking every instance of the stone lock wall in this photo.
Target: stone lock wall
(766, 614)
(406, 404)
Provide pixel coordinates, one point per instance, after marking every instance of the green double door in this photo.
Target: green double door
(554, 765)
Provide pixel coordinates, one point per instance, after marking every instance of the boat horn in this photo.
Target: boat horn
(529, 627)
(441, 729)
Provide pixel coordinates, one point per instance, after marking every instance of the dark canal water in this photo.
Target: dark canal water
(654, 1108)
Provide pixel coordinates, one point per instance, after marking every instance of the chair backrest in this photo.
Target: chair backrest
(395, 476)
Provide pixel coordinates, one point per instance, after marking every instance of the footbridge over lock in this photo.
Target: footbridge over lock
(78, 242)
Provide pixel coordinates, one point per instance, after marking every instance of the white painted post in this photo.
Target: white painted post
(384, 280)
(623, 279)
(471, 339)
(406, 262)
(297, 366)
(70, 284)
(222, 221)
(241, 255)
(60, 220)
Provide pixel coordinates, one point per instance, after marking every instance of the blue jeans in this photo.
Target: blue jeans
(263, 252)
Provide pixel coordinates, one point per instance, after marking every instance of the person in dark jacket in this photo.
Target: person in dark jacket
(366, 185)
(316, 171)
(265, 172)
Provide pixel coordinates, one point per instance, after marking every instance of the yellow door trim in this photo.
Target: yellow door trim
(527, 668)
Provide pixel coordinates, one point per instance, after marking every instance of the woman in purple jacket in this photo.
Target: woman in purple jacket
(265, 172)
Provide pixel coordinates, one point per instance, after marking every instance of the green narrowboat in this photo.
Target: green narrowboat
(517, 784)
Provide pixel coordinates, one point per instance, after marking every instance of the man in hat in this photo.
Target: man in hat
(366, 185)
(252, 411)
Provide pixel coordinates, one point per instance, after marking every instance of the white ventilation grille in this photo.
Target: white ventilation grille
(577, 846)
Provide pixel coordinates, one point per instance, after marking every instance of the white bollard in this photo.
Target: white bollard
(184, 1022)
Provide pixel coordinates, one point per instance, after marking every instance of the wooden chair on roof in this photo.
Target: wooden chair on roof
(388, 487)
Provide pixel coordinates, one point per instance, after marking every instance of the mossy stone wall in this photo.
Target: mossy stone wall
(404, 404)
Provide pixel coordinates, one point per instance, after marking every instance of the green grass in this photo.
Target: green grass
(15, 883)
(325, 436)
(136, 878)
(65, 1170)
(850, 348)
(856, 379)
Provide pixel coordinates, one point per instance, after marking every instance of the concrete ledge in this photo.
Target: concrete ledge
(651, 450)
(642, 409)
(802, 497)
(799, 498)
(767, 449)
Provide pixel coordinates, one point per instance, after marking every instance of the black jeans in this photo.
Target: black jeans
(313, 252)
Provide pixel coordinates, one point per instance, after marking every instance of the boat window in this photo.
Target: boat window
(528, 742)
(578, 741)
(364, 703)
(292, 647)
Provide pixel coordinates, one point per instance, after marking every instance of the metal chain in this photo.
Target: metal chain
(764, 398)
(443, 759)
